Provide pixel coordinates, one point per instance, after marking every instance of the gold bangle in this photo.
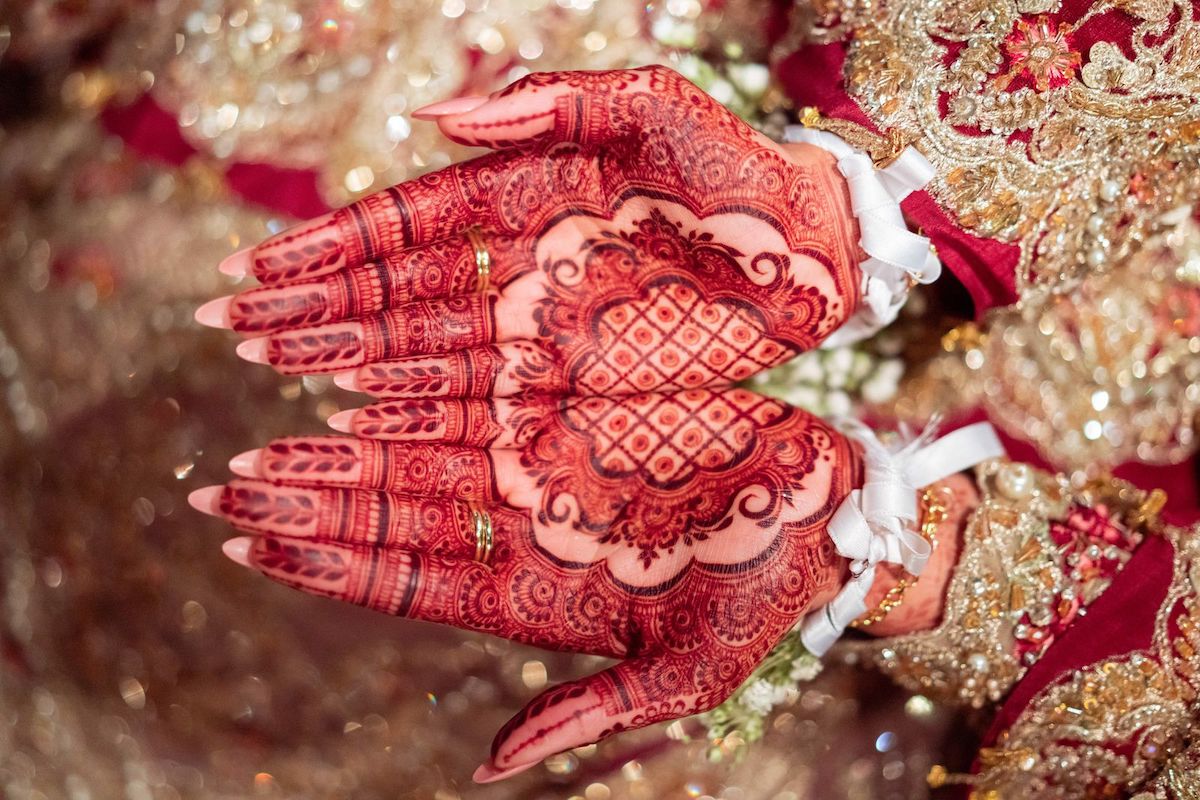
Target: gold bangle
(484, 535)
(934, 511)
(483, 258)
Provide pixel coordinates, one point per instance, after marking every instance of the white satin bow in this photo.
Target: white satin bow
(895, 254)
(875, 524)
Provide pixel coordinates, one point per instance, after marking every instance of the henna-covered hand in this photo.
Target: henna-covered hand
(681, 533)
(642, 238)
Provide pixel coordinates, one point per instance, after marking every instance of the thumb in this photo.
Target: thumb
(627, 696)
(582, 107)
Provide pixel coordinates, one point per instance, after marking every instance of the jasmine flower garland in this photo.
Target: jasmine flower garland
(774, 682)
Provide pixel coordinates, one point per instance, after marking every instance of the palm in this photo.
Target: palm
(642, 238)
(681, 532)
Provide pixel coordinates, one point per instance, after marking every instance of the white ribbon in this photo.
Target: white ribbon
(876, 523)
(895, 254)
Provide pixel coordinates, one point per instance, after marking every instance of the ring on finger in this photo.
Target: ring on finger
(483, 258)
(481, 523)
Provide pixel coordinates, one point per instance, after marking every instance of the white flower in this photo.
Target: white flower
(805, 668)
(878, 389)
(840, 360)
(838, 404)
(809, 369)
(804, 396)
(862, 366)
(722, 91)
(752, 79)
(759, 697)
(893, 369)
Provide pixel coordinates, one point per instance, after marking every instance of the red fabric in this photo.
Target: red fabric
(1119, 622)
(152, 132)
(812, 76)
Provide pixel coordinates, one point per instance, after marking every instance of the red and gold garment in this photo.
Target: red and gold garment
(1060, 131)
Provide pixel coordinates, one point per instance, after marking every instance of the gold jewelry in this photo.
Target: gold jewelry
(483, 258)
(933, 514)
(484, 535)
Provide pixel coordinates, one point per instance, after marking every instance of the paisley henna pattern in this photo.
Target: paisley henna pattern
(638, 231)
(683, 533)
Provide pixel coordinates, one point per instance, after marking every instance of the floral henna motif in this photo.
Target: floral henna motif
(647, 238)
(638, 322)
(684, 533)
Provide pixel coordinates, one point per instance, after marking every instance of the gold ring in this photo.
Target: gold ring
(484, 536)
(483, 258)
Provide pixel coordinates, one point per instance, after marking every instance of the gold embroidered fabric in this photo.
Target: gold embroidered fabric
(1072, 156)
(1034, 556)
(1121, 725)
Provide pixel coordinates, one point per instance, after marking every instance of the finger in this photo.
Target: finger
(501, 370)
(417, 469)
(394, 580)
(579, 107)
(423, 327)
(400, 581)
(435, 271)
(434, 207)
(629, 695)
(482, 423)
(352, 516)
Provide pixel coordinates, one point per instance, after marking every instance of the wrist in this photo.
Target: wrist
(920, 605)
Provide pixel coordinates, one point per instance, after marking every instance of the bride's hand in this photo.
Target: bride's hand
(641, 238)
(683, 534)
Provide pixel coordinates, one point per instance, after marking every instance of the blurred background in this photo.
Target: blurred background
(141, 142)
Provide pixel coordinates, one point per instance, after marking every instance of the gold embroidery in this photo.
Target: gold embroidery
(1118, 725)
(1072, 157)
(1014, 584)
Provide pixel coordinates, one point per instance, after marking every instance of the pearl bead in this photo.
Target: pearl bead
(1015, 481)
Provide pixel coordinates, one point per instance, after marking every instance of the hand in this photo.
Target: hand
(683, 534)
(641, 237)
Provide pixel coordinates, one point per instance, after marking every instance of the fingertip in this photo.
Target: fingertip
(490, 774)
(254, 350)
(238, 265)
(342, 421)
(348, 380)
(247, 464)
(206, 500)
(445, 108)
(238, 550)
(215, 313)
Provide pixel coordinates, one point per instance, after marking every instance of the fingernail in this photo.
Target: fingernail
(348, 380)
(247, 464)
(206, 500)
(489, 774)
(238, 549)
(343, 420)
(238, 264)
(215, 313)
(457, 105)
(254, 350)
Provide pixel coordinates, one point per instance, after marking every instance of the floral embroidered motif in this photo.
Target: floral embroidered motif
(1042, 51)
(1072, 159)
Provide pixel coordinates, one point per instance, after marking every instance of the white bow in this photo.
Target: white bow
(875, 523)
(895, 254)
